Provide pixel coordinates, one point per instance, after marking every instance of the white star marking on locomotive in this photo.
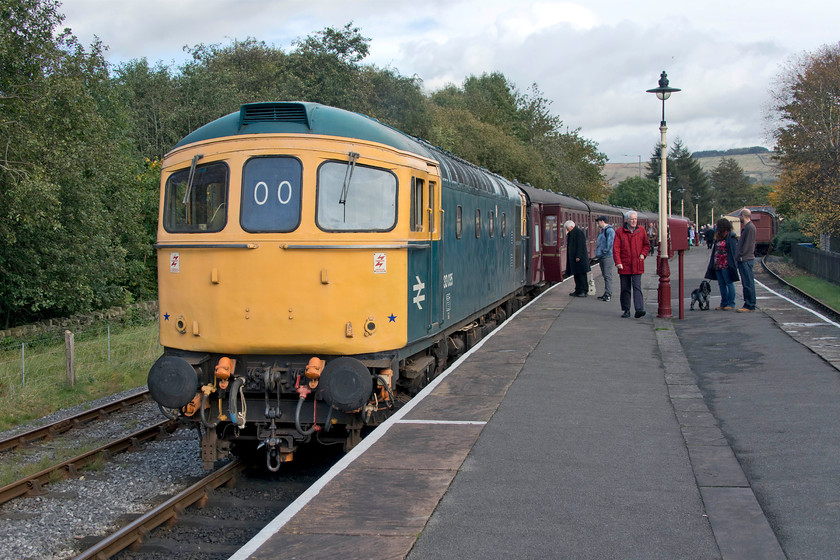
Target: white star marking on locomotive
(418, 288)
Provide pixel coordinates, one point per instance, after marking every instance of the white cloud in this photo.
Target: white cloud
(593, 60)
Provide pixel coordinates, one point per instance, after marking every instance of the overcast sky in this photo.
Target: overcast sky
(593, 60)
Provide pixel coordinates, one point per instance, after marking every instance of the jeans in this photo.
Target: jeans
(607, 265)
(745, 268)
(727, 288)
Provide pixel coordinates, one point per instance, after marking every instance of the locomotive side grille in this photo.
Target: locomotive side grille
(252, 113)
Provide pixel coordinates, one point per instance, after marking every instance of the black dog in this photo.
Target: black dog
(701, 296)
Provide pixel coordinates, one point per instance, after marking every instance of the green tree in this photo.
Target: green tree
(688, 184)
(637, 193)
(538, 150)
(806, 110)
(65, 171)
(731, 185)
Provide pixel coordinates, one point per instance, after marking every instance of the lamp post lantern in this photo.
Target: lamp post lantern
(663, 92)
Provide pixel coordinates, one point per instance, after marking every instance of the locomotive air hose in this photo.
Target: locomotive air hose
(234, 389)
(171, 413)
(387, 386)
(203, 415)
(312, 428)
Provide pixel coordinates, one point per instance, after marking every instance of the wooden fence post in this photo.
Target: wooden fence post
(70, 355)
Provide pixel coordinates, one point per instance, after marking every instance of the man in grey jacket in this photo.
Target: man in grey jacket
(745, 255)
(604, 254)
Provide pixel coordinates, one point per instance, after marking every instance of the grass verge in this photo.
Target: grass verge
(33, 380)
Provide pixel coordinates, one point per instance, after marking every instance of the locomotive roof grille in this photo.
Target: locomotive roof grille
(252, 113)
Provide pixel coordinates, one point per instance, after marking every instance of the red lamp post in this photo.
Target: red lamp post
(663, 92)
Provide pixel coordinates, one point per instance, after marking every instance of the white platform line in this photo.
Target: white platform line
(444, 422)
(820, 315)
(292, 509)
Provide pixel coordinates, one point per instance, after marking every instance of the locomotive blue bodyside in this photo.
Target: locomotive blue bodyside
(476, 262)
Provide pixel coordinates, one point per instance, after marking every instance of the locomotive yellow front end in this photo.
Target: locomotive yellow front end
(282, 264)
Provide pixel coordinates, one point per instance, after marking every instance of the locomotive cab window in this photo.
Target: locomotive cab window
(198, 205)
(271, 188)
(354, 197)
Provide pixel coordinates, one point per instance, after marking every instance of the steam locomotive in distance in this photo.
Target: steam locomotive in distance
(317, 267)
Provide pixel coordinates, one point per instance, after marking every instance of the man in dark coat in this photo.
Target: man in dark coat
(577, 258)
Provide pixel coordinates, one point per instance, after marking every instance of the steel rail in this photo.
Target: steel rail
(75, 421)
(139, 529)
(32, 484)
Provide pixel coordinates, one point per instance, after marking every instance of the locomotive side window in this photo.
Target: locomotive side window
(504, 225)
(477, 223)
(356, 198)
(271, 188)
(492, 224)
(432, 207)
(459, 222)
(417, 207)
(197, 206)
(550, 231)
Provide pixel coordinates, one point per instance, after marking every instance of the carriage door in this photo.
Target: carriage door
(535, 267)
(551, 243)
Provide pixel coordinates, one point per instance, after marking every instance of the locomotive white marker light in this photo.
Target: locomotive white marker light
(663, 92)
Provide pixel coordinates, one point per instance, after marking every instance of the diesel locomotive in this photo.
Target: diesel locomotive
(316, 267)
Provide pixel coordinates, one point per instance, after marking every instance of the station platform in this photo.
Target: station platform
(571, 432)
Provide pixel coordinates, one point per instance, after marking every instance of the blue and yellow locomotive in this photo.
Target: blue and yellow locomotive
(314, 265)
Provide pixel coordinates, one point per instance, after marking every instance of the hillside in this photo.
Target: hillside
(758, 167)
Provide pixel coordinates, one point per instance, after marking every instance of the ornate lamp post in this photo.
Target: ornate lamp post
(663, 92)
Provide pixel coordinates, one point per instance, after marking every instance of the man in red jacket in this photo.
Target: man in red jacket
(630, 248)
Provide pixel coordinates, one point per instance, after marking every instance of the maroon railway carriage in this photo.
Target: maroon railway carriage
(766, 224)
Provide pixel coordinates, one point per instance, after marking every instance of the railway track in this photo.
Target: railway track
(215, 516)
(76, 421)
(32, 485)
(138, 530)
(834, 314)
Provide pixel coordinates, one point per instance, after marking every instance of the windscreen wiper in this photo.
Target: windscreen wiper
(190, 177)
(348, 176)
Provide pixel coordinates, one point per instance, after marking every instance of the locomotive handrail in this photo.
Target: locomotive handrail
(402, 246)
(206, 246)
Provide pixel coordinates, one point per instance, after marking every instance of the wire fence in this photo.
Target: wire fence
(108, 358)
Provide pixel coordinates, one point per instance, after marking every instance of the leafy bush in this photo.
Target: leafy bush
(782, 243)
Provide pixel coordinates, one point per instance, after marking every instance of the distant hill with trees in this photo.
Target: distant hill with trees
(757, 165)
(730, 153)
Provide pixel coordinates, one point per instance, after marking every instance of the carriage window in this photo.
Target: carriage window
(201, 208)
(459, 222)
(550, 231)
(271, 188)
(477, 223)
(417, 204)
(353, 197)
